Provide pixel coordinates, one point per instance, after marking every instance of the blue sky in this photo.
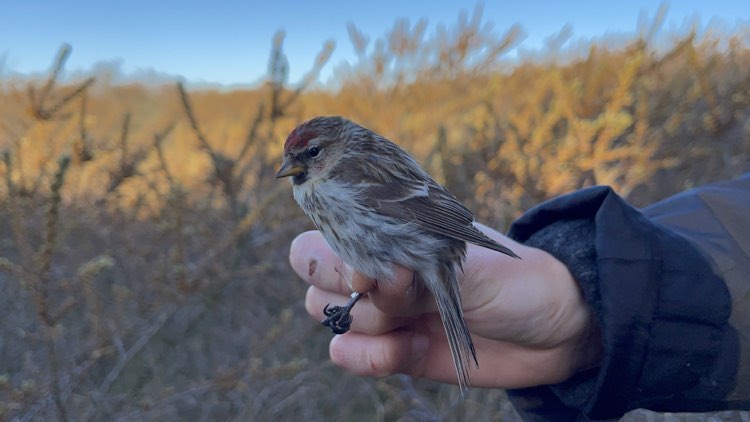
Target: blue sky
(228, 42)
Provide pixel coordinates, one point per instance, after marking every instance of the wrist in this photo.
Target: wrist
(570, 244)
(588, 349)
(576, 330)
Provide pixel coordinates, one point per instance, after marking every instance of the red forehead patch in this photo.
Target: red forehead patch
(298, 138)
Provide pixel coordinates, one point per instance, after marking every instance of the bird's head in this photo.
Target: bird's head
(313, 149)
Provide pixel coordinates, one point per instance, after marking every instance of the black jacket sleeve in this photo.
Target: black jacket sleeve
(669, 286)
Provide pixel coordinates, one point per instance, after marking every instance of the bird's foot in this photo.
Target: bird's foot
(339, 318)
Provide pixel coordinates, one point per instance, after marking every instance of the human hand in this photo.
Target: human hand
(529, 321)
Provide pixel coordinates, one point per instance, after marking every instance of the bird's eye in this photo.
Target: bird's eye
(314, 151)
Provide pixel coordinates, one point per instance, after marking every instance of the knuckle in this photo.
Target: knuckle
(380, 362)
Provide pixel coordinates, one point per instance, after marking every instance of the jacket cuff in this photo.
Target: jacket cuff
(661, 309)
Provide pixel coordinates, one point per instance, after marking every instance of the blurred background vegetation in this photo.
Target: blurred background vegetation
(144, 240)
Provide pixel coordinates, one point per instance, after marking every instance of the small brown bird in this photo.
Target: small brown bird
(377, 208)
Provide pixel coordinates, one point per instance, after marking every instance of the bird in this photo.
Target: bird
(378, 208)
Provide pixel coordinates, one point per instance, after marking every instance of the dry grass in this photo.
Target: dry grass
(143, 238)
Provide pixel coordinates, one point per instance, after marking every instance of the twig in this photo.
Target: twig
(53, 217)
(19, 234)
(81, 148)
(191, 118)
(252, 134)
(223, 166)
(158, 140)
(140, 414)
(231, 239)
(127, 356)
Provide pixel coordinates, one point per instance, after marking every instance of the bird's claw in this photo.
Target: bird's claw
(339, 318)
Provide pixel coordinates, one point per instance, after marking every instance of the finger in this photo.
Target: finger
(314, 260)
(405, 295)
(366, 318)
(423, 352)
(317, 264)
(389, 353)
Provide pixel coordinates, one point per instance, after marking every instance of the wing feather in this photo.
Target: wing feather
(402, 190)
(440, 212)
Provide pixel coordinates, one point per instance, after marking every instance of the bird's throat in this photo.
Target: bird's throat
(299, 179)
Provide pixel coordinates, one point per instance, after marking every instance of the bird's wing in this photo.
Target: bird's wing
(399, 188)
(430, 206)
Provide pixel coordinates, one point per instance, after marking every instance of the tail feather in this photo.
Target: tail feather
(486, 242)
(447, 295)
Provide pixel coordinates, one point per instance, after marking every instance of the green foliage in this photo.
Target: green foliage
(146, 276)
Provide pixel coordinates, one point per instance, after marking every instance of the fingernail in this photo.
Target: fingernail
(419, 344)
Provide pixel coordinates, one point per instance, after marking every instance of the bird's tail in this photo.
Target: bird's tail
(444, 287)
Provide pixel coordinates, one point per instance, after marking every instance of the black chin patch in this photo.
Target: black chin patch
(299, 178)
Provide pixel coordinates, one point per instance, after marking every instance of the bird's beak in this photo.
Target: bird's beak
(290, 167)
